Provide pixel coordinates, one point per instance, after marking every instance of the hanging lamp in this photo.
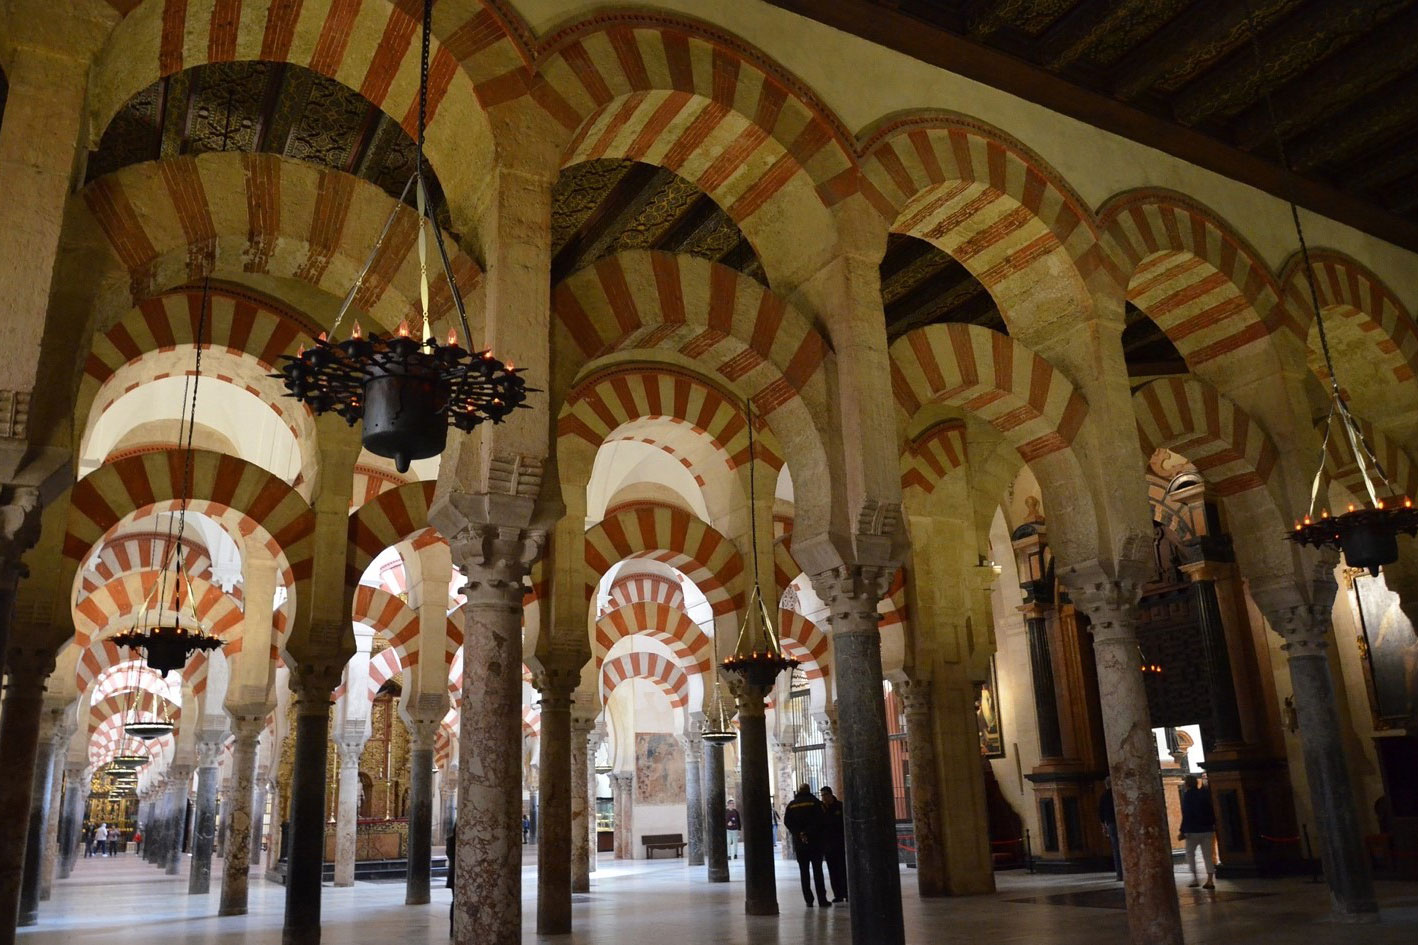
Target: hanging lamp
(165, 639)
(758, 656)
(158, 722)
(406, 388)
(718, 720)
(1367, 536)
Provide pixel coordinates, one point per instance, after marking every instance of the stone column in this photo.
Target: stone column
(488, 894)
(755, 802)
(831, 752)
(786, 787)
(204, 828)
(350, 750)
(716, 844)
(1221, 687)
(1152, 908)
(593, 745)
(181, 783)
(448, 796)
(420, 872)
(556, 681)
(19, 746)
(41, 794)
(258, 816)
(931, 867)
(312, 687)
(153, 804)
(1046, 704)
(623, 805)
(54, 820)
(1305, 629)
(874, 878)
(246, 726)
(693, 745)
(583, 821)
(76, 791)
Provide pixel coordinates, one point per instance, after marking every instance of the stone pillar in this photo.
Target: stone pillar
(785, 788)
(874, 878)
(246, 726)
(180, 785)
(19, 746)
(1046, 704)
(76, 792)
(1305, 629)
(488, 895)
(312, 687)
(54, 820)
(41, 793)
(204, 825)
(1221, 688)
(623, 805)
(1152, 908)
(154, 806)
(831, 752)
(593, 785)
(931, 869)
(556, 681)
(448, 796)
(350, 750)
(258, 816)
(716, 844)
(755, 802)
(693, 745)
(420, 872)
(583, 820)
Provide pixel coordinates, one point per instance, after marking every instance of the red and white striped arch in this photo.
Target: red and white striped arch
(672, 537)
(1344, 472)
(109, 607)
(669, 625)
(107, 740)
(1190, 418)
(993, 376)
(1361, 297)
(644, 588)
(370, 482)
(118, 704)
(389, 518)
(805, 642)
(932, 455)
(1203, 285)
(658, 669)
(143, 551)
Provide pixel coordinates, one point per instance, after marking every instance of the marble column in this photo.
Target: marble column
(350, 750)
(925, 788)
(1046, 704)
(593, 786)
(755, 802)
(693, 745)
(246, 726)
(785, 788)
(152, 830)
(76, 792)
(41, 793)
(258, 817)
(583, 821)
(1221, 686)
(312, 687)
(1145, 838)
(488, 894)
(420, 871)
(556, 682)
(831, 752)
(181, 782)
(54, 821)
(1305, 629)
(27, 670)
(623, 807)
(874, 876)
(204, 832)
(716, 844)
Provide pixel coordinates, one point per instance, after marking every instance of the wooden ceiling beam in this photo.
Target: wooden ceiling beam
(1315, 31)
(1075, 33)
(984, 18)
(605, 222)
(1363, 125)
(1400, 158)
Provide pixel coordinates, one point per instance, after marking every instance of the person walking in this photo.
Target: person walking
(804, 819)
(1199, 830)
(1108, 817)
(138, 840)
(732, 825)
(101, 839)
(834, 844)
(113, 836)
(526, 829)
(88, 840)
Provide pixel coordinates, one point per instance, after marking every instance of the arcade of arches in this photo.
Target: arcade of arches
(1033, 403)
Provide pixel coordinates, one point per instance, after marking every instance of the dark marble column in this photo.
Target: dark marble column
(306, 863)
(204, 837)
(488, 895)
(583, 819)
(1154, 917)
(755, 803)
(931, 872)
(54, 821)
(556, 682)
(1221, 687)
(716, 844)
(693, 745)
(180, 786)
(258, 817)
(152, 826)
(874, 874)
(1046, 704)
(27, 669)
(76, 792)
(1305, 627)
(41, 793)
(417, 883)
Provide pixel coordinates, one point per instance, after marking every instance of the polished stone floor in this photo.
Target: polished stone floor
(666, 903)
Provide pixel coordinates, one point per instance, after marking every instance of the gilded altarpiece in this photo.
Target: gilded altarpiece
(381, 831)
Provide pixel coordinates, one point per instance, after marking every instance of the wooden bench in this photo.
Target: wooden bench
(662, 841)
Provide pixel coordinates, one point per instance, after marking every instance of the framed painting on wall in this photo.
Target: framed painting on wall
(987, 716)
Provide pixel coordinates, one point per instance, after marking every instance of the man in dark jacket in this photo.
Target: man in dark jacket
(1199, 830)
(804, 820)
(834, 844)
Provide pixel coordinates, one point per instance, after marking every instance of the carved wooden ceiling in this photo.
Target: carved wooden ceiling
(1190, 77)
(921, 285)
(261, 107)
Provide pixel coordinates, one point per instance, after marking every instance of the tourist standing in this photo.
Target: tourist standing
(1108, 817)
(101, 839)
(1199, 830)
(732, 825)
(88, 840)
(804, 819)
(834, 844)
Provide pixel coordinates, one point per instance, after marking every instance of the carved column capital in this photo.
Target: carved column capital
(247, 724)
(583, 723)
(313, 683)
(495, 558)
(917, 697)
(1110, 603)
(209, 747)
(826, 726)
(1302, 623)
(179, 778)
(852, 592)
(422, 732)
(28, 667)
